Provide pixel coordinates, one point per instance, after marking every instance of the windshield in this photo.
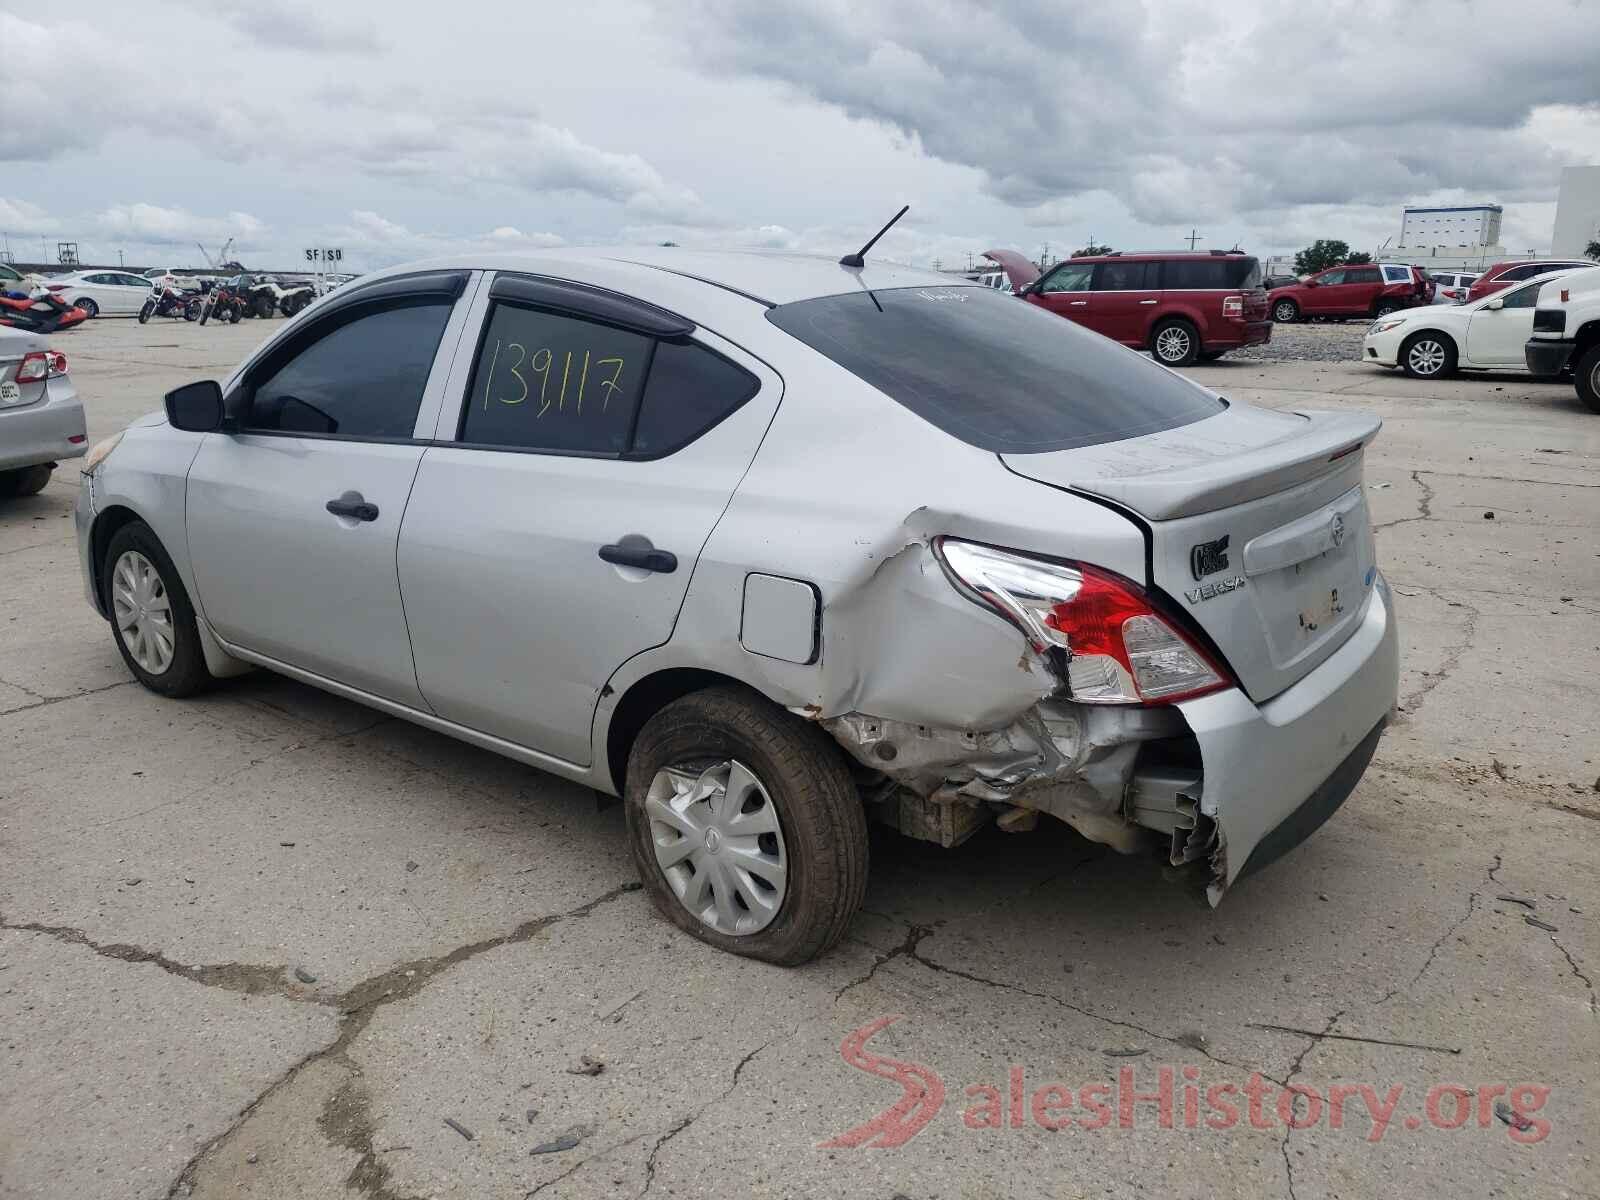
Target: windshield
(994, 371)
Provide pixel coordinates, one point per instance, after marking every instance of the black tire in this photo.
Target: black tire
(233, 314)
(1428, 354)
(1175, 343)
(1586, 377)
(25, 481)
(145, 310)
(91, 310)
(818, 807)
(264, 306)
(186, 674)
(205, 312)
(1285, 312)
(191, 310)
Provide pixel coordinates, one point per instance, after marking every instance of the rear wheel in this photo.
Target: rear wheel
(1428, 355)
(1285, 312)
(746, 827)
(191, 310)
(25, 481)
(151, 616)
(263, 306)
(1175, 343)
(1586, 376)
(91, 310)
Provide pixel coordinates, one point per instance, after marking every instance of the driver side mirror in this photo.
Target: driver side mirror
(196, 407)
(1495, 305)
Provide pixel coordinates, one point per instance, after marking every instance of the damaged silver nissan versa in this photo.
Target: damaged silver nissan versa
(772, 546)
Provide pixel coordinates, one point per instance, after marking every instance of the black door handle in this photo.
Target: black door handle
(643, 557)
(351, 504)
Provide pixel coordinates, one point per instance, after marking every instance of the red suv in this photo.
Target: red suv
(1504, 274)
(1180, 307)
(1359, 290)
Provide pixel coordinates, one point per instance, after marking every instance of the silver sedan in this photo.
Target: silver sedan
(772, 547)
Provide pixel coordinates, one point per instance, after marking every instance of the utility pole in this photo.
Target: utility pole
(1193, 238)
(937, 264)
(119, 258)
(1044, 257)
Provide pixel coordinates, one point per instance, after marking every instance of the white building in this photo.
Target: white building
(1577, 212)
(1470, 228)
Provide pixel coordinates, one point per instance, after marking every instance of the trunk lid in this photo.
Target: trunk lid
(1258, 528)
(1019, 270)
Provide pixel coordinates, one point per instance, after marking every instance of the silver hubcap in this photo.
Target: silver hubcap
(1172, 344)
(1285, 312)
(718, 842)
(1426, 357)
(143, 611)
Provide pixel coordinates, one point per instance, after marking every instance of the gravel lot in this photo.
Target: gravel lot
(1310, 341)
(265, 943)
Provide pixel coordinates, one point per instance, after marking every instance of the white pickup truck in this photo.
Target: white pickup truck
(1566, 333)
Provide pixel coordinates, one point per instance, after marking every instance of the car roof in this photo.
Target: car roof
(765, 276)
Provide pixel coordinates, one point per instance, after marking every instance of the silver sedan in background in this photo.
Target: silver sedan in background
(41, 417)
(772, 546)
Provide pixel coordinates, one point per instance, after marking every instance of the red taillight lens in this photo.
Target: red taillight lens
(55, 287)
(41, 364)
(1233, 307)
(1120, 649)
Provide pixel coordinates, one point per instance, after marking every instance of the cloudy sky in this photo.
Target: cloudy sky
(400, 129)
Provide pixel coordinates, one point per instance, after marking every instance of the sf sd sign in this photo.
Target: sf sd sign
(325, 254)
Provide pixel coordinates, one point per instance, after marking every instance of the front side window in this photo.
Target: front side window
(1331, 277)
(1069, 278)
(1005, 377)
(361, 375)
(1522, 297)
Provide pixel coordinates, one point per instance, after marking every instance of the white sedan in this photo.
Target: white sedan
(103, 293)
(1438, 340)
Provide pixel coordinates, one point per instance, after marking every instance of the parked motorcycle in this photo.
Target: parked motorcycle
(39, 310)
(223, 303)
(170, 302)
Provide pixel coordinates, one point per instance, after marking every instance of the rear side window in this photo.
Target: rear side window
(362, 376)
(998, 373)
(1128, 277)
(1397, 274)
(1231, 272)
(562, 384)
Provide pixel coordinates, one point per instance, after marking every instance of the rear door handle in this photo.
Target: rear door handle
(1147, 302)
(1078, 303)
(644, 557)
(352, 504)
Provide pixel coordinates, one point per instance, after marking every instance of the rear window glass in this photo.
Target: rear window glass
(994, 371)
(1231, 272)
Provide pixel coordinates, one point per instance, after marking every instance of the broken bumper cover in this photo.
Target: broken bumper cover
(1274, 772)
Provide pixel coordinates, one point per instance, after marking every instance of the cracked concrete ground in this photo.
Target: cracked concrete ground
(265, 943)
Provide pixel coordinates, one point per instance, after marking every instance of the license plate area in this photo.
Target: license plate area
(10, 392)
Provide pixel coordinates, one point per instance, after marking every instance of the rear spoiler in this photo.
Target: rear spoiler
(1211, 483)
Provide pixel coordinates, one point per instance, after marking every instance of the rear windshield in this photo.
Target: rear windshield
(994, 371)
(1231, 272)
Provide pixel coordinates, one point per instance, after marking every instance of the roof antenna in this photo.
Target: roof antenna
(859, 258)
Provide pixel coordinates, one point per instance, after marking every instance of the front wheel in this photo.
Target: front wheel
(1384, 309)
(1428, 355)
(264, 306)
(145, 311)
(91, 310)
(1175, 344)
(151, 616)
(746, 827)
(1285, 312)
(1586, 377)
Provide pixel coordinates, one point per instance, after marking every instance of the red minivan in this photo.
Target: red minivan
(1179, 306)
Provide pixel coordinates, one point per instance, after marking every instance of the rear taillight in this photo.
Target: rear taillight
(1118, 646)
(1233, 307)
(41, 364)
(56, 287)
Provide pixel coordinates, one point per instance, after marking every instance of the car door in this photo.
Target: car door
(129, 292)
(1359, 291)
(1123, 297)
(294, 517)
(1496, 337)
(555, 523)
(97, 287)
(1324, 295)
(1065, 291)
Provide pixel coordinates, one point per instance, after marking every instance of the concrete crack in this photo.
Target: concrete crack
(1577, 971)
(1294, 1069)
(1424, 505)
(44, 701)
(1490, 876)
(1412, 701)
(246, 978)
(1350, 1037)
(357, 1007)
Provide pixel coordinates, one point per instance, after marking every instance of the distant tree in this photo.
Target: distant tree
(1359, 256)
(1592, 250)
(1091, 250)
(1320, 255)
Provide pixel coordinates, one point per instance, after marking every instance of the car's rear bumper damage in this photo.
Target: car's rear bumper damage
(1227, 783)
